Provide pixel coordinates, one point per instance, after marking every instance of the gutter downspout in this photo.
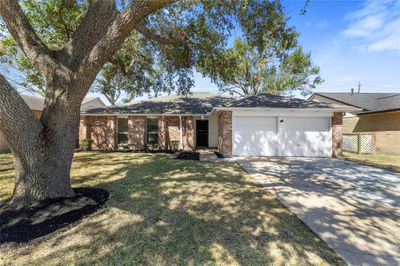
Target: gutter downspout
(181, 133)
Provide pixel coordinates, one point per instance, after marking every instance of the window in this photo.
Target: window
(152, 131)
(122, 130)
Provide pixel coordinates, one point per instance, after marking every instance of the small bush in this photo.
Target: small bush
(85, 144)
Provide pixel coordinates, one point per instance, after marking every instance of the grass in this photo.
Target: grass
(171, 212)
(389, 162)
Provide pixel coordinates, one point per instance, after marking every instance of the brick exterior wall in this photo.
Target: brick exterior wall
(136, 133)
(225, 133)
(101, 130)
(337, 136)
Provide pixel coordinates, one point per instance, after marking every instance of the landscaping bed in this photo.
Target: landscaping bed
(46, 217)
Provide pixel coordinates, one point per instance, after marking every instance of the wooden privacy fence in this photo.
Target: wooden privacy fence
(359, 143)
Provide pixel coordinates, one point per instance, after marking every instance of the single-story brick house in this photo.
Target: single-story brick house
(36, 104)
(379, 116)
(262, 125)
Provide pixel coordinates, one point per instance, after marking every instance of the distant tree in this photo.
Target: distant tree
(280, 66)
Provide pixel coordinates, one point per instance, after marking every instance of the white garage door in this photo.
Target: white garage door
(307, 136)
(254, 136)
(294, 136)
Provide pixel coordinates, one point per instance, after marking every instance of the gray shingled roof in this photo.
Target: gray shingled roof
(203, 103)
(276, 101)
(36, 103)
(196, 104)
(370, 102)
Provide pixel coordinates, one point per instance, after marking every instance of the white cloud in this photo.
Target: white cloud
(375, 26)
(322, 24)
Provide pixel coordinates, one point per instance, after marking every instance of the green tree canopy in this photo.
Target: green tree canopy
(165, 48)
(274, 68)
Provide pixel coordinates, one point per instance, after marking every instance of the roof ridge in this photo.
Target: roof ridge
(357, 93)
(389, 96)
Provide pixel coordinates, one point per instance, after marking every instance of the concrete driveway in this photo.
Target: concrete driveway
(355, 209)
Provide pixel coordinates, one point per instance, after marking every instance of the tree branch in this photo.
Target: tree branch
(21, 30)
(98, 18)
(117, 32)
(119, 63)
(141, 27)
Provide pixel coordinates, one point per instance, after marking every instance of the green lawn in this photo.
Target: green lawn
(164, 211)
(378, 160)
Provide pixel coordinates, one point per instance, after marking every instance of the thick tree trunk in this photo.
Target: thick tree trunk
(42, 150)
(43, 171)
(38, 179)
(43, 164)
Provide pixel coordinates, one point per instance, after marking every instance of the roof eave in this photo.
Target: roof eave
(380, 111)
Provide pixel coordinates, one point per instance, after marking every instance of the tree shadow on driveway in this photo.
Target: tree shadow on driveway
(354, 208)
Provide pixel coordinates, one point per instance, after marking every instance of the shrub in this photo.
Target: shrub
(85, 144)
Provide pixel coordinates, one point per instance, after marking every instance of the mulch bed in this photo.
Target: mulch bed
(45, 217)
(188, 155)
(219, 155)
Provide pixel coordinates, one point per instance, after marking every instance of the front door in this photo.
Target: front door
(201, 133)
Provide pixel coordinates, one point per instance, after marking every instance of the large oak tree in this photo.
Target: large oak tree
(192, 33)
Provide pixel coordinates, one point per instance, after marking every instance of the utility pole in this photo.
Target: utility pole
(359, 87)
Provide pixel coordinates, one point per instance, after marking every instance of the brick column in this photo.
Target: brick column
(83, 128)
(136, 132)
(162, 133)
(225, 133)
(337, 136)
(188, 132)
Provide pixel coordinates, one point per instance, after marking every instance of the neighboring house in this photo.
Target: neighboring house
(263, 125)
(36, 104)
(380, 115)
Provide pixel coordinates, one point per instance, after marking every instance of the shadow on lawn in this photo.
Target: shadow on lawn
(164, 211)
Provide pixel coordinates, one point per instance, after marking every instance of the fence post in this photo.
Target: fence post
(359, 143)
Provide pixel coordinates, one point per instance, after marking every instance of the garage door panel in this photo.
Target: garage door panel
(307, 136)
(254, 136)
(296, 136)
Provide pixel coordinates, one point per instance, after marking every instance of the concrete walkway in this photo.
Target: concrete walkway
(355, 209)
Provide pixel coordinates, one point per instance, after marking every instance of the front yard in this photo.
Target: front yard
(164, 211)
(389, 162)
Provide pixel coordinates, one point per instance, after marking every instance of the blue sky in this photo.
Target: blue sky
(350, 40)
